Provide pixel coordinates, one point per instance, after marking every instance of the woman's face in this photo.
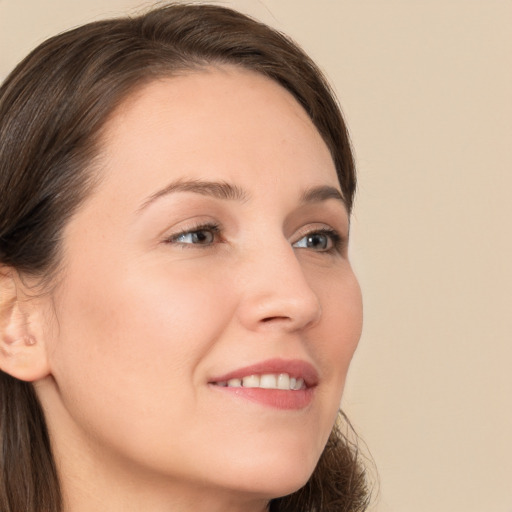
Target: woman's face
(214, 249)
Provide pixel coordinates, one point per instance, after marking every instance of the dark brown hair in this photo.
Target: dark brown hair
(52, 109)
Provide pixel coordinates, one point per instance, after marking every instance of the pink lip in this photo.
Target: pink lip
(274, 398)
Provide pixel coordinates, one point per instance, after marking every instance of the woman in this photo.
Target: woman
(178, 310)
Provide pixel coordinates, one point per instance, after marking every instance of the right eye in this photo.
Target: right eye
(200, 235)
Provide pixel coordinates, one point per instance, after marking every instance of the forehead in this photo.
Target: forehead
(219, 123)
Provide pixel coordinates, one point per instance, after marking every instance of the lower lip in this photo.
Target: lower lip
(274, 398)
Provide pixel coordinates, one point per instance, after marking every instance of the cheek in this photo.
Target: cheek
(342, 314)
(129, 341)
(127, 356)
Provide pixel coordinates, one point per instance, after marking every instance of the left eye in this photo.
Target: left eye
(317, 241)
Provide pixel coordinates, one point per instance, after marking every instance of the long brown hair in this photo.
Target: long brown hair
(52, 109)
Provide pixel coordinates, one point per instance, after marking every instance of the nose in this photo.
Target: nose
(276, 293)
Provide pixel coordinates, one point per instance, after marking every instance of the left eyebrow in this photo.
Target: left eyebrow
(321, 193)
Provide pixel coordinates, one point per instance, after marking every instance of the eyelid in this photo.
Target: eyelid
(338, 239)
(200, 226)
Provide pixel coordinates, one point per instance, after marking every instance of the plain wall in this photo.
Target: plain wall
(426, 89)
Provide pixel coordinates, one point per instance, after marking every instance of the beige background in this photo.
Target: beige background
(426, 88)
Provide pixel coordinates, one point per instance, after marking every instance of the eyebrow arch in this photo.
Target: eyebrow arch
(216, 189)
(321, 193)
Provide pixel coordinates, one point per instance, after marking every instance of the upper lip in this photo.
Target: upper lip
(293, 367)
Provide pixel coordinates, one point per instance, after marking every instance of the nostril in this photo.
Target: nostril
(272, 318)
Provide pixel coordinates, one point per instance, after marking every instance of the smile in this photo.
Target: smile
(281, 381)
(277, 383)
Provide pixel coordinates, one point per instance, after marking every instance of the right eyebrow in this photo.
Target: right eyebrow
(216, 189)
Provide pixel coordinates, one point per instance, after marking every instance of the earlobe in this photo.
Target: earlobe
(22, 350)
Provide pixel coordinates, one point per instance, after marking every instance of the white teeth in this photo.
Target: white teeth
(267, 381)
(283, 381)
(252, 381)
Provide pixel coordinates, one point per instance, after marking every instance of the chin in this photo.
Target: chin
(274, 474)
(275, 484)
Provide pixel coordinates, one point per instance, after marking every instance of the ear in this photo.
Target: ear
(22, 350)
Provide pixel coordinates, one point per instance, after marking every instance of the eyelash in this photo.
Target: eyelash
(337, 241)
(212, 227)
